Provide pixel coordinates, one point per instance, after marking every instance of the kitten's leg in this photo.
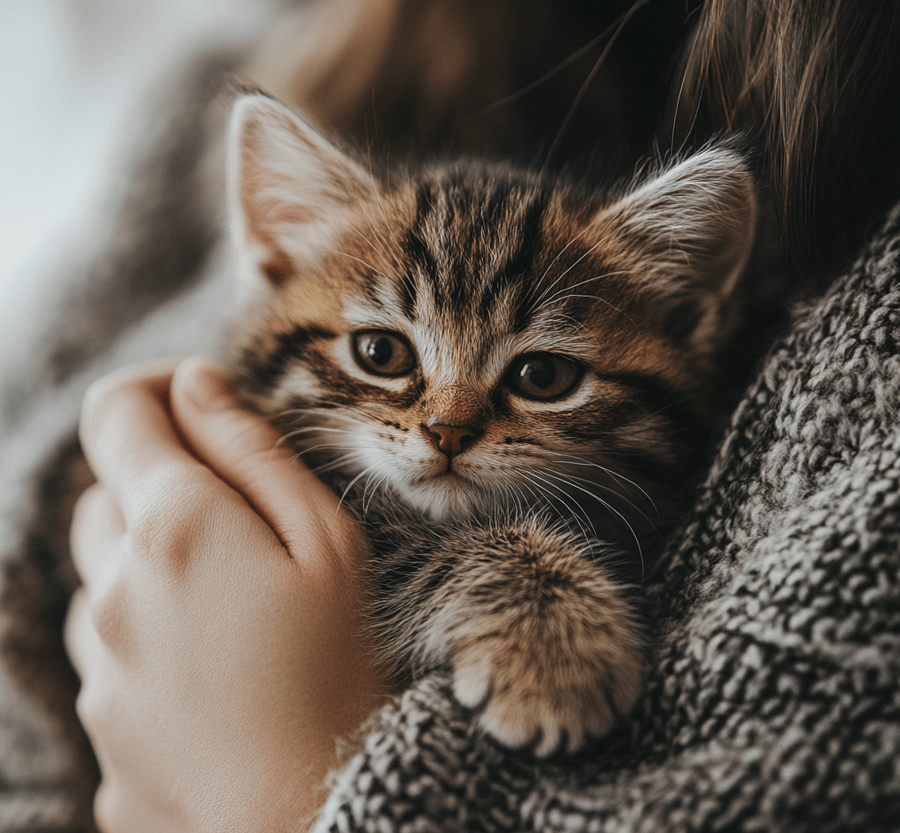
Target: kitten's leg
(540, 637)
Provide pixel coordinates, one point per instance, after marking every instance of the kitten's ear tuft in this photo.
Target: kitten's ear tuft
(688, 232)
(289, 188)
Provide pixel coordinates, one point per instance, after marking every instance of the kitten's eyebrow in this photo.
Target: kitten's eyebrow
(416, 249)
(512, 276)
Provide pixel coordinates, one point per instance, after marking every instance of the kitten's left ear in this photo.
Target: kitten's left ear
(686, 234)
(289, 188)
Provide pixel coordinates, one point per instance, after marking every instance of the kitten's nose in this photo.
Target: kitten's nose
(451, 439)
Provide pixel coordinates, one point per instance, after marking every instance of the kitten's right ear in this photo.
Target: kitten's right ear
(289, 188)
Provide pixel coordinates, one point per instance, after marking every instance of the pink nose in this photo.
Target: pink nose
(451, 439)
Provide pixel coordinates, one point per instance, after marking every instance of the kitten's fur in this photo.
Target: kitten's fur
(508, 556)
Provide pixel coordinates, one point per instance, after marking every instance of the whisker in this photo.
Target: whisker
(622, 23)
(375, 488)
(602, 301)
(612, 509)
(580, 461)
(577, 460)
(559, 254)
(539, 302)
(613, 492)
(582, 283)
(350, 485)
(565, 500)
(344, 411)
(362, 262)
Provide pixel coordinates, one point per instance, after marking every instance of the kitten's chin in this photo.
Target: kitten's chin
(447, 496)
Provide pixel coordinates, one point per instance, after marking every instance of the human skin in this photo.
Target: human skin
(216, 634)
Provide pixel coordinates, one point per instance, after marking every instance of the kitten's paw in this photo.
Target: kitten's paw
(552, 688)
(542, 639)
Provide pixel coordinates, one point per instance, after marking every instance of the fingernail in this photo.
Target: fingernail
(207, 387)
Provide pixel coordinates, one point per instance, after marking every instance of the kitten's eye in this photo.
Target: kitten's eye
(383, 353)
(543, 376)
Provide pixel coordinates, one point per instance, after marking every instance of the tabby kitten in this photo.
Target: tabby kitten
(508, 377)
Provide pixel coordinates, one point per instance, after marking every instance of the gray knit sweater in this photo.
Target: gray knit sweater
(774, 687)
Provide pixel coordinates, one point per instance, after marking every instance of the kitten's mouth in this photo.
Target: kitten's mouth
(447, 475)
(446, 493)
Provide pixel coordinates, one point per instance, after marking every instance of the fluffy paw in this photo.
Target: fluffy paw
(541, 638)
(550, 687)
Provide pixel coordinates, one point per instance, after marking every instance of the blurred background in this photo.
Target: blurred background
(73, 76)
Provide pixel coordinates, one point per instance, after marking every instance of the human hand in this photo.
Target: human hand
(216, 634)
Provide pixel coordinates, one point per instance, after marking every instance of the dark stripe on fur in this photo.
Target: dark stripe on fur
(655, 396)
(260, 371)
(415, 248)
(520, 263)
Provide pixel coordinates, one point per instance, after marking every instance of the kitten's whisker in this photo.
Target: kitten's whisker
(370, 484)
(610, 508)
(602, 301)
(559, 254)
(570, 513)
(343, 413)
(347, 448)
(308, 429)
(389, 252)
(362, 262)
(580, 461)
(612, 491)
(337, 463)
(565, 499)
(375, 488)
(518, 496)
(605, 275)
(350, 485)
(299, 432)
(540, 299)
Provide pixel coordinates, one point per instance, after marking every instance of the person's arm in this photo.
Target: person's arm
(216, 634)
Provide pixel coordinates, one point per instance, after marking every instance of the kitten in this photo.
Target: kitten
(509, 378)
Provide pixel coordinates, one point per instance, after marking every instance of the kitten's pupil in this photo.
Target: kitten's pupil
(543, 376)
(379, 350)
(538, 372)
(383, 353)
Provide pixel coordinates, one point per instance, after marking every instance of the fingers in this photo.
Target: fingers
(127, 434)
(97, 527)
(80, 638)
(245, 451)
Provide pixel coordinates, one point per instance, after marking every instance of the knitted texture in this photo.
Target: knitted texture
(773, 700)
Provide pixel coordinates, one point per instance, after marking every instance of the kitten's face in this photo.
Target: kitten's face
(465, 337)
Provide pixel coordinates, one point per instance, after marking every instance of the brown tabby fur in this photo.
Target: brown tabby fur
(509, 562)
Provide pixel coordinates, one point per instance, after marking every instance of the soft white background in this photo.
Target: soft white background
(72, 74)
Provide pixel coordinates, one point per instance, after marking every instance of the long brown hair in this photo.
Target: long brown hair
(817, 83)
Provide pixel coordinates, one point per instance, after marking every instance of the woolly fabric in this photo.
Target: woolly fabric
(773, 699)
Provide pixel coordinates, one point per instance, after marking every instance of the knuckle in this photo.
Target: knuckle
(107, 613)
(91, 706)
(105, 395)
(177, 508)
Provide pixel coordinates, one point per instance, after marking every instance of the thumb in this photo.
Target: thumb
(244, 450)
